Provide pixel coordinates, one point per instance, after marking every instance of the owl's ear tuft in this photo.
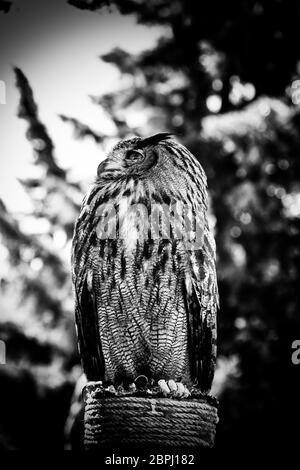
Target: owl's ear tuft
(154, 139)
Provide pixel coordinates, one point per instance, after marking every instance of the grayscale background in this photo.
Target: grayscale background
(224, 77)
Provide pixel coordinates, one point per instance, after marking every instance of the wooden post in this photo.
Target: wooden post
(147, 419)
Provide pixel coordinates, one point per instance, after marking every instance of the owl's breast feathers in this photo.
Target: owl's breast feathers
(144, 303)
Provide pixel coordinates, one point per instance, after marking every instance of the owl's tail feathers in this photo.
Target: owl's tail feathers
(208, 346)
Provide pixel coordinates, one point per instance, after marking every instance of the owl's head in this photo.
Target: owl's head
(134, 156)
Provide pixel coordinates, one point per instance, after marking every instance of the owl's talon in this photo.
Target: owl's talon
(186, 392)
(132, 387)
(172, 386)
(180, 389)
(164, 387)
(111, 389)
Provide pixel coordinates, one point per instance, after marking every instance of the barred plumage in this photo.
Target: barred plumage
(145, 283)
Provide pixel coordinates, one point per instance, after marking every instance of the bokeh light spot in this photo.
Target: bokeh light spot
(214, 103)
(235, 231)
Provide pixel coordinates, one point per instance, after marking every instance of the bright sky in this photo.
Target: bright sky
(58, 48)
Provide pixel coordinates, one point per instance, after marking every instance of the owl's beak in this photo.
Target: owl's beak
(108, 169)
(101, 168)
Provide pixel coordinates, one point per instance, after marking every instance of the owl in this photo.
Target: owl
(143, 270)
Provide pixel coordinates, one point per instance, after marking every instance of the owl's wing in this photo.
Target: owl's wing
(88, 334)
(202, 301)
(85, 303)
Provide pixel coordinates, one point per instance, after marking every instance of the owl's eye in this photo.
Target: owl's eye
(134, 156)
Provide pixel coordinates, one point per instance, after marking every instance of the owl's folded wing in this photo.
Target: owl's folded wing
(85, 305)
(202, 304)
(88, 334)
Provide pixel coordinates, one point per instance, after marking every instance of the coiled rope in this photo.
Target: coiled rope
(146, 418)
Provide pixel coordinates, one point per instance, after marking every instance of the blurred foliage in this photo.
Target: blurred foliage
(225, 79)
(36, 301)
(5, 6)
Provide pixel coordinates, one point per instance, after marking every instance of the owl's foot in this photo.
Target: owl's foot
(174, 389)
(127, 387)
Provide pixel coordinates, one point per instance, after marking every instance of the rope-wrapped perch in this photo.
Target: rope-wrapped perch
(145, 418)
